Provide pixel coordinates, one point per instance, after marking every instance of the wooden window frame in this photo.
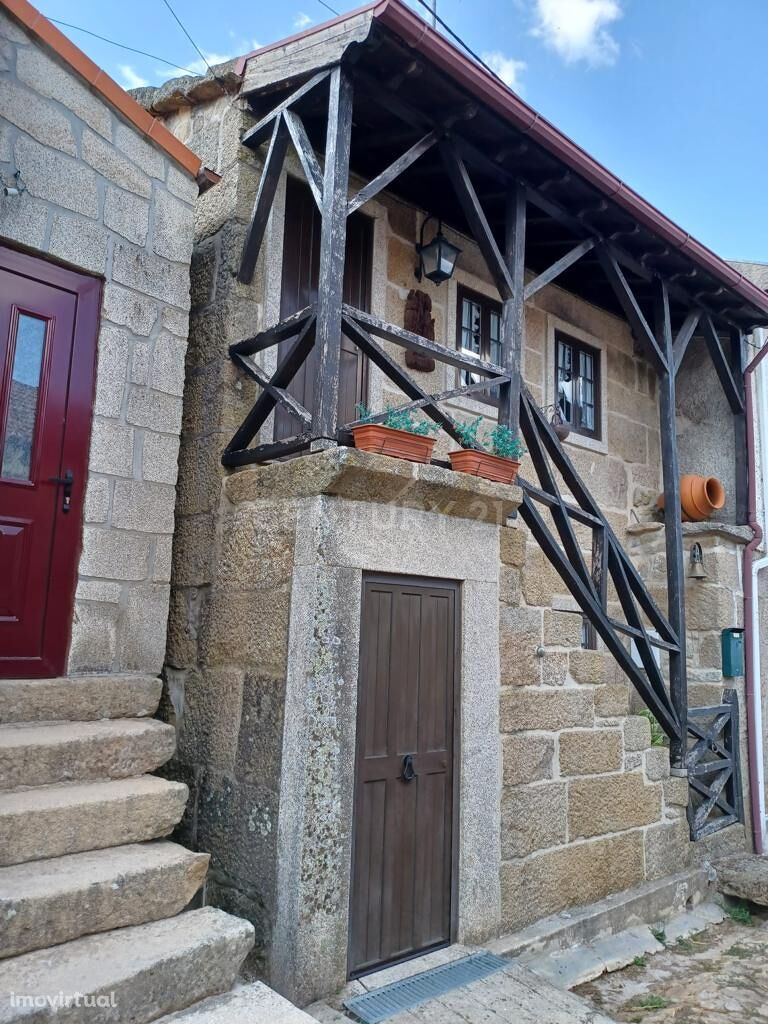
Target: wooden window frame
(579, 347)
(488, 306)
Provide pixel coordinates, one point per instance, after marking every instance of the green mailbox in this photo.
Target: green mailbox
(732, 647)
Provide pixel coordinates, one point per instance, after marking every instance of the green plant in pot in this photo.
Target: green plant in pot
(400, 434)
(495, 457)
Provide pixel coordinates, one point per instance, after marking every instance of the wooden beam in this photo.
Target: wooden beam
(558, 213)
(264, 452)
(559, 267)
(333, 240)
(513, 309)
(288, 328)
(582, 495)
(733, 391)
(306, 155)
(280, 395)
(260, 132)
(459, 358)
(631, 308)
(281, 378)
(441, 396)
(265, 196)
(684, 335)
(586, 600)
(673, 527)
(395, 169)
(397, 374)
(478, 223)
(418, 120)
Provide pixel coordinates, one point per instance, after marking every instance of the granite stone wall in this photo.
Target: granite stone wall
(588, 806)
(100, 198)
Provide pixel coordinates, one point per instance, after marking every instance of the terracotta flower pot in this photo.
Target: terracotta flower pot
(490, 467)
(399, 444)
(700, 497)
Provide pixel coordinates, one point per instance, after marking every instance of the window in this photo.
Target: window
(478, 330)
(21, 421)
(577, 384)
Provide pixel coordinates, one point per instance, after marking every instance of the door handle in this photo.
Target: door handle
(409, 772)
(66, 482)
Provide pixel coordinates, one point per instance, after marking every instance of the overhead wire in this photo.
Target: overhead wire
(189, 37)
(122, 46)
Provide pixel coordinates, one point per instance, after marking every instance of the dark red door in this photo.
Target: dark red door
(48, 325)
(301, 267)
(403, 817)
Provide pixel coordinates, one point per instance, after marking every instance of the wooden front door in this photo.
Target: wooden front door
(402, 864)
(301, 265)
(48, 327)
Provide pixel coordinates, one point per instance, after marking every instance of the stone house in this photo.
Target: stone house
(410, 703)
(405, 701)
(96, 233)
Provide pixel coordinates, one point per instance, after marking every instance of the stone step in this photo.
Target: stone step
(128, 976)
(78, 698)
(52, 901)
(39, 754)
(55, 820)
(246, 1004)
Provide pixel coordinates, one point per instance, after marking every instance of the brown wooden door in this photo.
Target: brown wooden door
(48, 324)
(301, 261)
(403, 826)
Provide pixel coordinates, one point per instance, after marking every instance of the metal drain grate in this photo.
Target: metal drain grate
(388, 1000)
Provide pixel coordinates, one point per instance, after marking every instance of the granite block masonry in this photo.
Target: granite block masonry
(102, 199)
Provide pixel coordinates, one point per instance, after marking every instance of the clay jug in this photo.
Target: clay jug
(700, 497)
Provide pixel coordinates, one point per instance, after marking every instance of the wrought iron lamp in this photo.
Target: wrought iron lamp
(696, 569)
(437, 259)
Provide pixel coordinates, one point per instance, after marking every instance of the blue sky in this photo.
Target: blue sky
(670, 94)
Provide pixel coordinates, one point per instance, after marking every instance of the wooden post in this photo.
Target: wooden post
(333, 240)
(513, 309)
(673, 527)
(739, 430)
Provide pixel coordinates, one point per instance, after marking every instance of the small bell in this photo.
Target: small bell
(696, 570)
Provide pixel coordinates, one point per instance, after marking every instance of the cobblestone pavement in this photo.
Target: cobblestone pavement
(717, 977)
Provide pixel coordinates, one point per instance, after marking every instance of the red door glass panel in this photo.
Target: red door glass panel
(47, 319)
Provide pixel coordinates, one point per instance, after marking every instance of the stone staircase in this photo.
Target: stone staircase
(92, 920)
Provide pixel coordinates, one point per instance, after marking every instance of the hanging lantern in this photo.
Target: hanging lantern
(437, 259)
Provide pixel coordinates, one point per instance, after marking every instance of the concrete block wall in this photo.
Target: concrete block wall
(101, 199)
(588, 807)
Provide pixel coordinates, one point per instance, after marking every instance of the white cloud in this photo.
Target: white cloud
(301, 21)
(200, 67)
(129, 79)
(508, 69)
(576, 29)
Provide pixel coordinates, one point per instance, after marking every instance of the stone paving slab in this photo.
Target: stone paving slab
(718, 976)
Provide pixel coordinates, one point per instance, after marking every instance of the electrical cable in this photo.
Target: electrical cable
(329, 8)
(459, 40)
(122, 46)
(189, 37)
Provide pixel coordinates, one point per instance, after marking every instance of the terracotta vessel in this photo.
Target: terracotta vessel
(700, 497)
(490, 467)
(399, 444)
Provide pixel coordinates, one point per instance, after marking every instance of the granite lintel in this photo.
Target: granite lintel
(735, 534)
(364, 476)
